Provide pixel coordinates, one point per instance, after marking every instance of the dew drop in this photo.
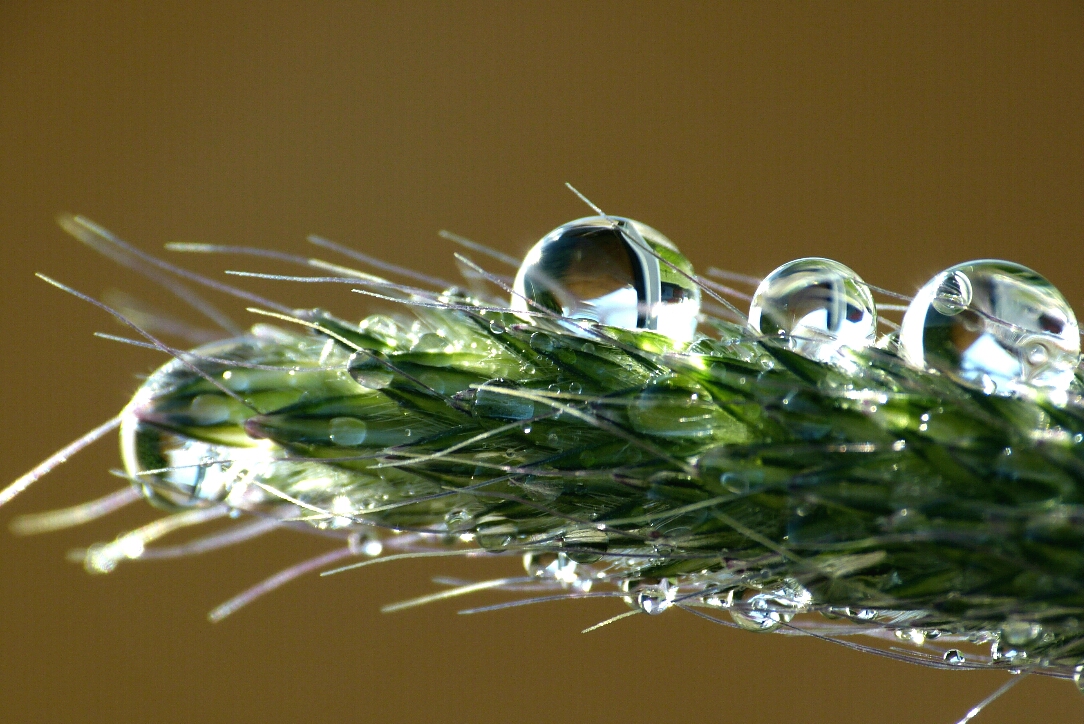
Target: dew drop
(757, 614)
(368, 372)
(541, 342)
(458, 520)
(653, 600)
(818, 305)
(608, 270)
(994, 325)
(348, 431)
(914, 636)
(1018, 633)
(496, 537)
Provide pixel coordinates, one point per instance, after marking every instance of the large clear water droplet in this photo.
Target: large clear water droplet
(818, 305)
(994, 325)
(613, 271)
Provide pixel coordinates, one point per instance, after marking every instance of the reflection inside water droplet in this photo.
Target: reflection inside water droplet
(818, 305)
(610, 270)
(994, 325)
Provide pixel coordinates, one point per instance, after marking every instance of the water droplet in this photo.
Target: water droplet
(430, 342)
(1018, 633)
(819, 305)
(348, 431)
(994, 325)
(1000, 652)
(496, 327)
(860, 614)
(1078, 678)
(457, 520)
(496, 537)
(368, 372)
(541, 342)
(193, 472)
(719, 599)
(654, 599)
(914, 636)
(372, 547)
(608, 270)
(953, 656)
(433, 381)
(793, 594)
(535, 563)
(760, 613)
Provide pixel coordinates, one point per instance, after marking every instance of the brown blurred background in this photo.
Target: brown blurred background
(896, 138)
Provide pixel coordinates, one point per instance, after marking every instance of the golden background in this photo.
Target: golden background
(898, 138)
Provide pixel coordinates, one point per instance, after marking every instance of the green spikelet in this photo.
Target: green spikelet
(732, 473)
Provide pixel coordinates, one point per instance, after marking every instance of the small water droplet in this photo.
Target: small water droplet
(348, 431)
(457, 519)
(718, 599)
(914, 636)
(368, 372)
(496, 327)
(759, 613)
(541, 342)
(953, 656)
(496, 537)
(653, 600)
